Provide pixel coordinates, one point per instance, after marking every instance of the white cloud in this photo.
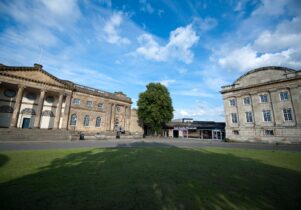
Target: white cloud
(111, 30)
(287, 35)
(195, 92)
(167, 82)
(178, 47)
(271, 7)
(246, 58)
(202, 111)
(280, 47)
(205, 24)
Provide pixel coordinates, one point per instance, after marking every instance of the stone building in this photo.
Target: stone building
(30, 97)
(264, 105)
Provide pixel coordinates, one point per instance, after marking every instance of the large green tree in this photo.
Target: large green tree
(154, 107)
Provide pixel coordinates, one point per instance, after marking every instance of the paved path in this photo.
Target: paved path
(190, 143)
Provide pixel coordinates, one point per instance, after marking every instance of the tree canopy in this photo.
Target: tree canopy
(155, 107)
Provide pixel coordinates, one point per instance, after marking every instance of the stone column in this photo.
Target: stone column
(58, 112)
(66, 111)
(39, 109)
(292, 105)
(124, 118)
(14, 119)
(113, 116)
(108, 116)
(272, 108)
(129, 119)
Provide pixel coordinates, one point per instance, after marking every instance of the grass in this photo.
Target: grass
(150, 178)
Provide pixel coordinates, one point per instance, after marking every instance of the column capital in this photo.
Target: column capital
(21, 86)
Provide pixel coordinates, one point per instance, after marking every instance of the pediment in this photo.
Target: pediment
(36, 75)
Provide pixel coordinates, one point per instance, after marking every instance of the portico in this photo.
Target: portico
(30, 97)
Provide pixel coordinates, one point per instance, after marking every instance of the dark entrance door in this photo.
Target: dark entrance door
(26, 123)
(175, 133)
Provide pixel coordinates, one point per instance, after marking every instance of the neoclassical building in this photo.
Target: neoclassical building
(30, 97)
(264, 105)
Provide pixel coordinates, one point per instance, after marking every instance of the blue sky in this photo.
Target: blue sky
(192, 47)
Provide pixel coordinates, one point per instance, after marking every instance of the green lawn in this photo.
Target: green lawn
(150, 178)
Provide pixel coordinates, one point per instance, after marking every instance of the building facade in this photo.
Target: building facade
(30, 97)
(264, 105)
(188, 128)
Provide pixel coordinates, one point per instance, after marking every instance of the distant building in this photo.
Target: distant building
(187, 128)
(30, 97)
(264, 105)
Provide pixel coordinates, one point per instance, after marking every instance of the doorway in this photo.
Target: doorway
(26, 122)
(175, 133)
(217, 135)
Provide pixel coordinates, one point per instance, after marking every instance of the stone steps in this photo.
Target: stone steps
(14, 134)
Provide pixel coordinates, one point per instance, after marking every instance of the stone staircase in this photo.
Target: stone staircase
(17, 134)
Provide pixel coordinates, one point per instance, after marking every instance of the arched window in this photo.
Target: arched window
(73, 119)
(98, 121)
(86, 120)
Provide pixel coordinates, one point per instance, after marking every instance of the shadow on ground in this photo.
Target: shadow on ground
(154, 178)
(3, 160)
(144, 144)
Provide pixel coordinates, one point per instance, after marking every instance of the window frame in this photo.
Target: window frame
(269, 132)
(267, 98)
(232, 118)
(98, 120)
(249, 115)
(76, 99)
(232, 100)
(100, 107)
(287, 114)
(264, 112)
(87, 117)
(73, 120)
(281, 96)
(89, 104)
(244, 101)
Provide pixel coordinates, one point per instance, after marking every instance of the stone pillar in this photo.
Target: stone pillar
(39, 109)
(14, 119)
(108, 116)
(124, 118)
(272, 108)
(66, 111)
(58, 112)
(292, 106)
(129, 119)
(113, 116)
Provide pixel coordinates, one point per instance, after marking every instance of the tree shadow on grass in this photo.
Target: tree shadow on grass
(144, 144)
(3, 160)
(154, 178)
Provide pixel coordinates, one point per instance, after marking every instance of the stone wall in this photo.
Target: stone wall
(278, 129)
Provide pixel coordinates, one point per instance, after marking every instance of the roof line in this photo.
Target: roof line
(265, 68)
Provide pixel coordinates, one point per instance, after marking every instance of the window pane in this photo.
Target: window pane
(86, 120)
(73, 119)
(98, 121)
